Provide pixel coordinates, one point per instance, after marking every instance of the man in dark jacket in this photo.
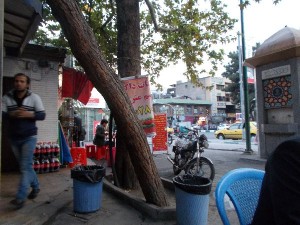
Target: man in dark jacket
(279, 202)
(23, 108)
(99, 138)
(77, 129)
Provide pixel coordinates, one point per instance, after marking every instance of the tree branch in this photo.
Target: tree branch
(111, 15)
(152, 13)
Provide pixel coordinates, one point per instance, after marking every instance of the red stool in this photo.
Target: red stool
(100, 152)
(90, 151)
(79, 156)
(108, 162)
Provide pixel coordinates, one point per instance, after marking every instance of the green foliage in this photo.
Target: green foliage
(189, 31)
(199, 29)
(247, 2)
(232, 73)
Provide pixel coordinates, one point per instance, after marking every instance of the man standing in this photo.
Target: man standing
(77, 129)
(101, 133)
(99, 139)
(22, 108)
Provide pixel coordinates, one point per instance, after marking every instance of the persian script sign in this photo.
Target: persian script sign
(138, 90)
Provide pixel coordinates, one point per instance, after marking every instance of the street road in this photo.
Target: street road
(225, 154)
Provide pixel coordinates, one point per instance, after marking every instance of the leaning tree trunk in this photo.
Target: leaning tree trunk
(129, 54)
(85, 48)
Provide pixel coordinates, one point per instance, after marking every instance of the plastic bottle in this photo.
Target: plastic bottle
(56, 164)
(37, 151)
(42, 164)
(36, 165)
(43, 151)
(46, 165)
(56, 150)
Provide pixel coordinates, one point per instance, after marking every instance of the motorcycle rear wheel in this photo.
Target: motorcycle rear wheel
(206, 168)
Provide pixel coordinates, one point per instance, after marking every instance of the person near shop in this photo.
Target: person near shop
(22, 108)
(101, 133)
(100, 139)
(279, 201)
(82, 136)
(77, 129)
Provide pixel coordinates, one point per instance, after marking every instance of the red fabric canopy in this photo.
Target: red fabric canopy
(76, 85)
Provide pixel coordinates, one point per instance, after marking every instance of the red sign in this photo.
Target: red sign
(94, 100)
(160, 140)
(250, 80)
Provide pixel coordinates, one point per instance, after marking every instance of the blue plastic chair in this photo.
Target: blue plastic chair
(243, 188)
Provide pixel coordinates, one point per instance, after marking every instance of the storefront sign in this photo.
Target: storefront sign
(96, 100)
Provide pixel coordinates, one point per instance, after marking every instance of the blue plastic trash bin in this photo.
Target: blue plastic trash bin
(87, 188)
(192, 199)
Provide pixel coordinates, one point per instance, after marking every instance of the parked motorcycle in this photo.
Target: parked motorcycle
(188, 151)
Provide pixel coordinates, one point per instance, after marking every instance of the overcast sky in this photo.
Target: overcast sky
(261, 20)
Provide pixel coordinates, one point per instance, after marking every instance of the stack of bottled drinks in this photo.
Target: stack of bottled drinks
(46, 157)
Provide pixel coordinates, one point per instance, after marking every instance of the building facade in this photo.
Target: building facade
(220, 108)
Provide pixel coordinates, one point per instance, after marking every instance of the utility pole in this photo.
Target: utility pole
(248, 149)
(241, 83)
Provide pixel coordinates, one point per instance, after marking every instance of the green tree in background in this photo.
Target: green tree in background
(233, 74)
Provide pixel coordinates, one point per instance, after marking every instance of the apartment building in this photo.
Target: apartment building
(213, 91)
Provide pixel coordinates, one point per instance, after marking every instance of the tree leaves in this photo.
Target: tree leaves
(197, 31)
(232, 73)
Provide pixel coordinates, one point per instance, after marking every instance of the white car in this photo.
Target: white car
(223, 126)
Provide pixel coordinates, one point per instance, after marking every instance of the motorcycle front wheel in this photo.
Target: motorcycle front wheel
(205, 169)
(176, 170)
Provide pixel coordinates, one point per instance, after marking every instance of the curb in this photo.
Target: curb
(153, 211)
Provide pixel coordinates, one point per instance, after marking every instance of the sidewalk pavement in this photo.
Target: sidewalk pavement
(54, 204)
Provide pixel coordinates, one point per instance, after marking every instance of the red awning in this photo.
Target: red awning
(76, 85)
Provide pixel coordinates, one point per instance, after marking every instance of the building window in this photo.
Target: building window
(221, 98)
(195, 110)
(189, 109)
(227, 97)
(220, 87)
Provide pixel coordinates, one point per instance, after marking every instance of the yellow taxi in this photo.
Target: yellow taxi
(170, 130)
(235, 131)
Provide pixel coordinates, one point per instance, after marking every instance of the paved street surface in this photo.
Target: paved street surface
(54, 205)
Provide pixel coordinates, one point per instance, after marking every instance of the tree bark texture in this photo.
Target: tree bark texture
(124, 168)
(129, 43)
(85, 48)
(128, 53)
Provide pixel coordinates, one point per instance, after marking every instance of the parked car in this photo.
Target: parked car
(223, 126)
(170, 130)
(235, 131)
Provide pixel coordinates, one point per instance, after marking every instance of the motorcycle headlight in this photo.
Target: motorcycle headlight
(205, 144)
(174, 149)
